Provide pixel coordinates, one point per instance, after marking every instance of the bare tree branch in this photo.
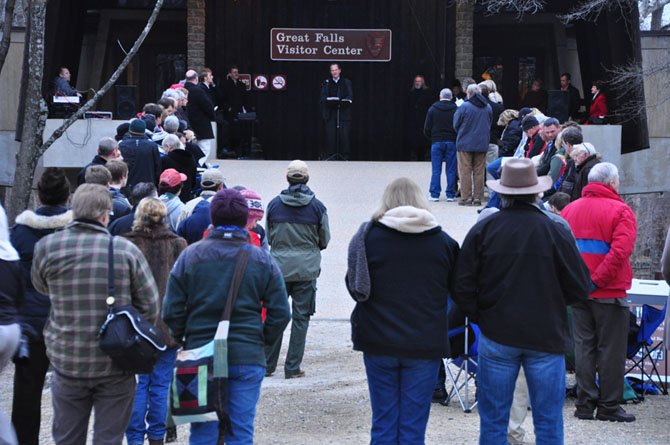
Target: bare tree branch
(32, 146)
(112, 80)
(6, 29)
(648, 7)
(590, 10)
(521, 7)
(627, 81)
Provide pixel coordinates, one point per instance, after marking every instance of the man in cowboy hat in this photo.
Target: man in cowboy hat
(517, 271)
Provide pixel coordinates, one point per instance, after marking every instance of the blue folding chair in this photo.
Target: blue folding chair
(467, 366)
(640, 348)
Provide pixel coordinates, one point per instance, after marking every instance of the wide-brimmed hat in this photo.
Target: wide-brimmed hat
(519, 178)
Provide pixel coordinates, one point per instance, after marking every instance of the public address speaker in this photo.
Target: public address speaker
(126, 104)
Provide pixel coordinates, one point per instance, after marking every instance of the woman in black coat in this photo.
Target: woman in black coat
(400, 273)
(53, 193)
(182, 161)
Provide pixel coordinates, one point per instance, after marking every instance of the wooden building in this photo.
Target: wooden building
(434, 38)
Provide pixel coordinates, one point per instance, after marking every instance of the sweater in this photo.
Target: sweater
(198, 287)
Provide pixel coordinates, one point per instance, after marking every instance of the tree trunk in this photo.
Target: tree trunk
(6, 29)
(35, 113)
(656, 19)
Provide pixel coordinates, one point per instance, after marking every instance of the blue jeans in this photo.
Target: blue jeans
(400, 395)
(151, 401)
(244, 386)
(494, 169)
(443, 152)
(496, 378)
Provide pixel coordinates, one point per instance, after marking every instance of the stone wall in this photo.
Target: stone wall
(464, 39)
(195, 53)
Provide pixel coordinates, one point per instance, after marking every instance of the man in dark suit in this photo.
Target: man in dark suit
(234, 102)
(200, 111)
(574, 98)
(337, 136)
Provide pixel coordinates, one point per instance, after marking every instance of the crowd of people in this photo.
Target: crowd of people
(555, 240)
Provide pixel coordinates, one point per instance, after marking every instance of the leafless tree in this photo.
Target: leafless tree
(35, 114)
(7, 8)
(653, 8)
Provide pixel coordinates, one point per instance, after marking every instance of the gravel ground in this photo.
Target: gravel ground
(331, 405)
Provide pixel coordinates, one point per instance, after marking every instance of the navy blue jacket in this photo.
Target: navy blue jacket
(97, 160)
(411, 276)
(193, 227)
(439, 124)
(122, 225)
(143, 159)
(29, 229)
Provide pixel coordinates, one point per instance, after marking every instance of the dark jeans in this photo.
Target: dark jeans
(400, 394)
(28, 385)
(600, 332)
(303, 296)
(338, 141)
(74, 399)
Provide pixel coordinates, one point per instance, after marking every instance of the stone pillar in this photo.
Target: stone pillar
(195, 34)
(465, 16)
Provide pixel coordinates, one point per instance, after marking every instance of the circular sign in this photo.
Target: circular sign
(279, 82)
(260, 82)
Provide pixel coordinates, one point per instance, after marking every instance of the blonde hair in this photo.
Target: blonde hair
(401, 192)
(507, 116)
(150, 213)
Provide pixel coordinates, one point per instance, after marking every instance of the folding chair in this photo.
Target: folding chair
(640, 348)
(467, 366)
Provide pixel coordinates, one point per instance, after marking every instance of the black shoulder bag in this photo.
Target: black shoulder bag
(126, 336)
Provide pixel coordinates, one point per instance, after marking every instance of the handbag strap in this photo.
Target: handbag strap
(238, 274)
(110, 273)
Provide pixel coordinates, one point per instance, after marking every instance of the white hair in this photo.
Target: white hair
(578, 150)
(604, 172)
(445, 93)
(171, 141)
(172, 94)
(473, 89)
(171, 124)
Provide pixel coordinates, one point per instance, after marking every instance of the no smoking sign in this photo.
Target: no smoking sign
(278, 82)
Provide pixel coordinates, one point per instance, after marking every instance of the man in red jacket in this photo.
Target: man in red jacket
(605, 229)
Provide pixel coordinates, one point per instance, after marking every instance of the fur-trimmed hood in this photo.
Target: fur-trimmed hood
(44, 222)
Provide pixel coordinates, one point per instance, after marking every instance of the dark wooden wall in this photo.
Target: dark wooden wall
(289, 123)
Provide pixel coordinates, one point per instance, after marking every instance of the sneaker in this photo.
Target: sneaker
(465, 202)
(451, 199)
(433, 199)
(584, 414)
(618, 415)
(295, 375)
(477, 202)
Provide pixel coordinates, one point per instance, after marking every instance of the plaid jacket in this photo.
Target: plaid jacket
(71, 267)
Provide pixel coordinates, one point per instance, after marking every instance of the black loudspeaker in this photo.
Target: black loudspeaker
(126, 103)
(558, 105)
